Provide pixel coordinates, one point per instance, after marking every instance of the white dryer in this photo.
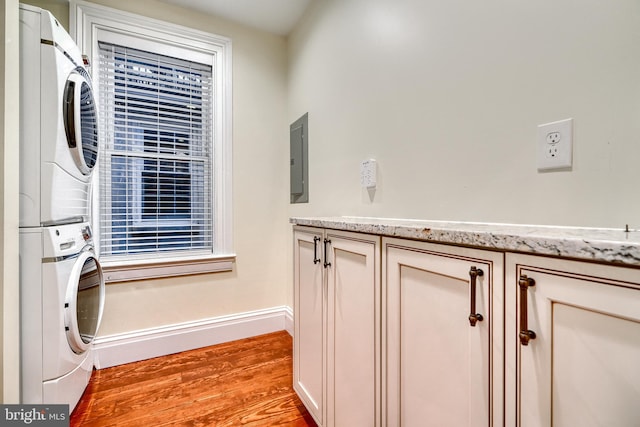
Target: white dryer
(62, 299)
(58, 124)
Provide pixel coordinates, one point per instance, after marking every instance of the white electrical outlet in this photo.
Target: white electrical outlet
(555, 145)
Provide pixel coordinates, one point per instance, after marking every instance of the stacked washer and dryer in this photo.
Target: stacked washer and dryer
(61, 283)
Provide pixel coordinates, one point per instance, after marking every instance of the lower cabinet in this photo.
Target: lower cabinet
(573, 343)
(337, 326)
(393, 332)
(442, 335)
(309, 323)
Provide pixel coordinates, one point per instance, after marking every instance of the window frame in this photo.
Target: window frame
(90, 23)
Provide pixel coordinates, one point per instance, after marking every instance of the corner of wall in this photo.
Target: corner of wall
(9, 211)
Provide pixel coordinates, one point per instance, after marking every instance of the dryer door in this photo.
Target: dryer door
(84, 302)
(81, 120)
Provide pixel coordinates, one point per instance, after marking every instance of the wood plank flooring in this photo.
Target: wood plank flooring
(241, 383)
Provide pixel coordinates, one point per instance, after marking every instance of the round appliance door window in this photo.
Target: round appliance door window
(81, 120)
(84, 302)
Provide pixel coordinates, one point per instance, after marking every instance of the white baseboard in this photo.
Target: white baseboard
(130, 347)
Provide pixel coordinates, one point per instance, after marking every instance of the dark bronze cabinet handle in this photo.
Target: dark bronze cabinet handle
(473, 316)
(326, 264)
(316, 239)
(525, 334)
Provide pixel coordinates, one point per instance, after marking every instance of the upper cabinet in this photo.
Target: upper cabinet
(573, 343)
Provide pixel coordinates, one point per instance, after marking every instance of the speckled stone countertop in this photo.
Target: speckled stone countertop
(595, 244)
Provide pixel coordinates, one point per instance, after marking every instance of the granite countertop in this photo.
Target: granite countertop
(595, 244)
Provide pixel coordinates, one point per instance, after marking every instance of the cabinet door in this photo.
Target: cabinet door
(582, 368)
(309, 314)
(439, 369)
(353, 330)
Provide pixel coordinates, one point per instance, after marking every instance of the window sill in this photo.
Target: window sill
(125, 271)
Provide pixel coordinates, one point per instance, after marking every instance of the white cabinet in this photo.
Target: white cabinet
(309, 325)
(443, 335)
(396, 332)
(581, 326)
(337, 326)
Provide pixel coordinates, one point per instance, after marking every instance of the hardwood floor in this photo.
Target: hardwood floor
(246, 382)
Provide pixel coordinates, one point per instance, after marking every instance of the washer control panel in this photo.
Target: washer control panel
(65, 240)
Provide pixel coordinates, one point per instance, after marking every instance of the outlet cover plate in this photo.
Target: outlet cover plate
(555, 145)
(368, 169)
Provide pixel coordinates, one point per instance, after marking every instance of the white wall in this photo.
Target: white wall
(9, 215)
(446, 95)
(260, 189)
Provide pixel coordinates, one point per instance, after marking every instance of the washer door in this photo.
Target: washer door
(84, 302)
(81, 120)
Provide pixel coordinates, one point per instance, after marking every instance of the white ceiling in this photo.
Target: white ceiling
(274, 16)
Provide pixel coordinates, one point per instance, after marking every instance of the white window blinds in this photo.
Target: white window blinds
(155, 180)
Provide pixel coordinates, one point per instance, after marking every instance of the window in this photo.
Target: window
(155, 191)
(163, 180)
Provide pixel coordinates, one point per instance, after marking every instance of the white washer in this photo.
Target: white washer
(58, 124)
(61, 304)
